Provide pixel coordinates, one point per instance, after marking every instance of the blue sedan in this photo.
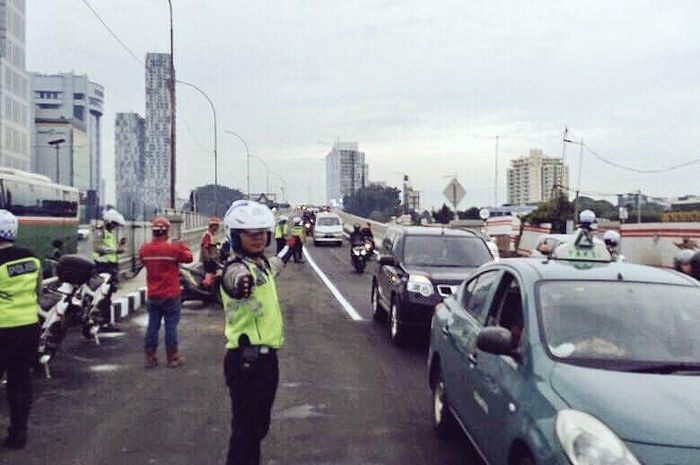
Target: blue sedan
(554, 362)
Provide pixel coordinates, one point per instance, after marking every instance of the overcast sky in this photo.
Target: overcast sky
(419, 85)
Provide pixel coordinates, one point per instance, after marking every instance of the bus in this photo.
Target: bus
(46, 212)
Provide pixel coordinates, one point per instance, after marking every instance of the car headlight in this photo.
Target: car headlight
(587, 441)
(420, 284)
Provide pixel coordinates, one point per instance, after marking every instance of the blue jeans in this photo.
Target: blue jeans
(168, 310)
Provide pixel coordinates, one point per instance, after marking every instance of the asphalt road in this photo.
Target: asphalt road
(346, 395)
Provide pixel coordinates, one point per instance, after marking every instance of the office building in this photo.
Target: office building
(346, 172)
(70, 107)
(158, 142)
(533, 179)
(14, 87)
(129, 164)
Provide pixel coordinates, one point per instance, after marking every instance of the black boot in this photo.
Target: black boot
(16, 439)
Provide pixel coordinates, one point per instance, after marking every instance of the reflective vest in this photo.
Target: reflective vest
(18, 300)
(298, 231)
(259, 316)
(109, 242)
(281, 231)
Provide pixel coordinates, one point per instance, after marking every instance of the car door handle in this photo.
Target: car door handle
(472, 358)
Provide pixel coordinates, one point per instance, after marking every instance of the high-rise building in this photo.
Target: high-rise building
(129, 161)
(157, 150)
(14, 87)
(68, 106)
(346, 171)
(533, 179)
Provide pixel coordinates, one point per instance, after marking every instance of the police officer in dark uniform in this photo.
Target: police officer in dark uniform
(20, 282)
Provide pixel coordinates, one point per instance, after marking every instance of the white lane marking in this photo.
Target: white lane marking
(105, 368)
(334, 290)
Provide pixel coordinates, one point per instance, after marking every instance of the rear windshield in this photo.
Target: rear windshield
(449, 251)
(328, 221)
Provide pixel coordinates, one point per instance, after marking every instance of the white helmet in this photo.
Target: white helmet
(8, 226)
(587, 216)
(611, 238)
(113, 216)
(246, 214)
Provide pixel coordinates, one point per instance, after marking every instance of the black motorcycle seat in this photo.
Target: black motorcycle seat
(46, 301)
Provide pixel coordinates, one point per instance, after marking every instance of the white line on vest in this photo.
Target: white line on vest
(334, 290)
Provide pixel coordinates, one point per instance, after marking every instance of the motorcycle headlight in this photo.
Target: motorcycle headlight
(420, 284)
(363, 252)
(356, 252)
(368, 246)
(308, 225)
(587, 441)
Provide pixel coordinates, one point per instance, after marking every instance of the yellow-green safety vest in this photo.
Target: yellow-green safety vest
(109, 241)
(18, 300)
(259, 316)
(281, 230)
(298, 231)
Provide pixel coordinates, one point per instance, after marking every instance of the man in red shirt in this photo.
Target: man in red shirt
(162, 259)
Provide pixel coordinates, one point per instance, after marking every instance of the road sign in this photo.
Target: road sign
(484, 214)
(454, 192)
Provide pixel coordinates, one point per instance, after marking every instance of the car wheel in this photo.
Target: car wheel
(443, 422)
(377, 311)
(396, 333)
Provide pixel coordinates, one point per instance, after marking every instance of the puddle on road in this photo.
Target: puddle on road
(300, 412)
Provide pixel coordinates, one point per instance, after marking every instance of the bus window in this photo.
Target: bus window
(20, 198)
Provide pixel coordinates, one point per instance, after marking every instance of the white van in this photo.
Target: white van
(328, 229)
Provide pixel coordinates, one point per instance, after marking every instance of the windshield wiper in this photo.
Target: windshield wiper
(664, 368)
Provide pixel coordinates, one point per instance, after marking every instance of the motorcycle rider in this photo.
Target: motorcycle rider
(281, 233)
(208, 252)
(254, 328)
(612, 243)
(682, 261)
(161, 259)
(20, 283)
(106, 255)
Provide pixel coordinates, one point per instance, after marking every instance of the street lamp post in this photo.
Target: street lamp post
(247, 152)
(267, 173)
(216, 142)
(57, 145)
(172, 109)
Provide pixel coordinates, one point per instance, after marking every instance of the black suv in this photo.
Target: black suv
(417, 267)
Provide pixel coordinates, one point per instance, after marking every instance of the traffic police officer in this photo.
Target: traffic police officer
(254, 328)
(106, 255)
(281, 233)
(20, 281)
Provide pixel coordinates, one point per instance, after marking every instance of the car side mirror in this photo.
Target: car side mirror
(496, 340)
(387, 260)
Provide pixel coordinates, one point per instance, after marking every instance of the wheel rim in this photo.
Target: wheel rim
(394, 322)
(438, 401)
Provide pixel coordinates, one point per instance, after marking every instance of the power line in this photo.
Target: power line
(637, 170)
(112, 33)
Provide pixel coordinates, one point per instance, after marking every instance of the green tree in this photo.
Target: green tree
(471, 213)
(444, 215)
(601, 208)
(213, 200)
(555, 211)
(376, 202)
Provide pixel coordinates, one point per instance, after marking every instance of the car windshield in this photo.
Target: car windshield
(449, 251)
(616, 324)
(328, 221)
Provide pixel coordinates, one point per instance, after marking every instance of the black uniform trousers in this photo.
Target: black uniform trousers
(281, 242)
(18, 351)
(252, 391)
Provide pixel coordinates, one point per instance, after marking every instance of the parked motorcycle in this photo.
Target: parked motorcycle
(64, 307)
(194, 286)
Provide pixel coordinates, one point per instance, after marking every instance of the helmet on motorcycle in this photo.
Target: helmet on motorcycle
(246, 215)
(297, 221)
(683, 257)
(611, 239)
(160, 226)
(283, 219)
(113, 217)
(356, 227)
(8, 226)
(587, 219)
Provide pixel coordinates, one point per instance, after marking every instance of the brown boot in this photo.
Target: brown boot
(174, 358)
(150, 358)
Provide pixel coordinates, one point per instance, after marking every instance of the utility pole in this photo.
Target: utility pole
(172, 110)
(639, 206)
